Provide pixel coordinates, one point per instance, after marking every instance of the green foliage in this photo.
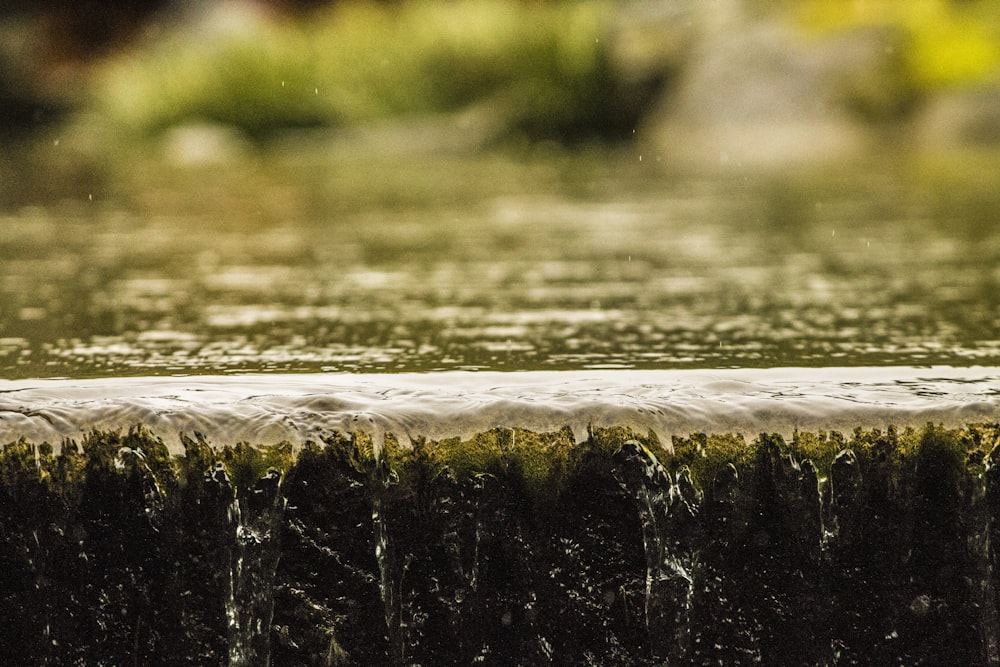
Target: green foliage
(944, 42)
(539, 67)
(821, 448)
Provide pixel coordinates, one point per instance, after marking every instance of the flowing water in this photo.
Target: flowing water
(297, 408)
(298, 261)
(529, 304)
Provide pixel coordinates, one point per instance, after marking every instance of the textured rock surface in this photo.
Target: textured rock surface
(511, 547)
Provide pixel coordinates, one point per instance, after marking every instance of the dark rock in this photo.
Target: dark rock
(611, 551)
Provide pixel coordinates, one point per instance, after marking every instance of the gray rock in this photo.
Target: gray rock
(966, 117)
(756, 91)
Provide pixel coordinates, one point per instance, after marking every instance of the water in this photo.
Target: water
(256, 522)
(388, 305)
(514, 547)
(300, 260)
(267, 409)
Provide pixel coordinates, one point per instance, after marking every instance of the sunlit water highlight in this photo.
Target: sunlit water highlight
(266, 409)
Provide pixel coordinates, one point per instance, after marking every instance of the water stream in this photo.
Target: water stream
(507, 409)
(311, 262)
(484, 558)
(268, 409)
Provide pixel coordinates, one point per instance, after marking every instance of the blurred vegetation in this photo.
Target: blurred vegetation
(540, 68)
(543, 69)
(944, 42)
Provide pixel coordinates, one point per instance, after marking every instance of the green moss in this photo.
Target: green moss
(198, 458)
(247, 464)
(137, 548)
(18, 466)
(541, 460)
(608, 440)
(545, 461)
(705, 456)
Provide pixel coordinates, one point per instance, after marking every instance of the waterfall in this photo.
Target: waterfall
(666, 506)
(255, 518)
(510, 547)
(382, 479)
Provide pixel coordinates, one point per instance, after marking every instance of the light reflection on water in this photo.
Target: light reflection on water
(540, 262)
(296, 408)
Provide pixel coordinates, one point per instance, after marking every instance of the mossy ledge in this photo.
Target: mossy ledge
(512, 547)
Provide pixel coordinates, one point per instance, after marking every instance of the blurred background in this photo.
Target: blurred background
(197, 186)
(822, 75)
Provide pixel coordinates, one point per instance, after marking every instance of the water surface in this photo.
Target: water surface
(308, 258)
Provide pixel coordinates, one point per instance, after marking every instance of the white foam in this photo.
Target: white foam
(265, 409)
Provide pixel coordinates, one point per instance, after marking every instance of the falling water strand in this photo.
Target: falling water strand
(663, 505)
(256, 521)
(985, 546)
(389, 584)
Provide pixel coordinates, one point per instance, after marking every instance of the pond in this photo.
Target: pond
(309, 257)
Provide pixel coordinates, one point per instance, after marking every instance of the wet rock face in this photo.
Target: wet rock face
(327, 607)
(512, 548)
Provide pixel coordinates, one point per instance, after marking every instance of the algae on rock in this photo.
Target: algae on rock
(512, 547)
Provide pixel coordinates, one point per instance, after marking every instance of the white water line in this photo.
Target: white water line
(267, 409)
